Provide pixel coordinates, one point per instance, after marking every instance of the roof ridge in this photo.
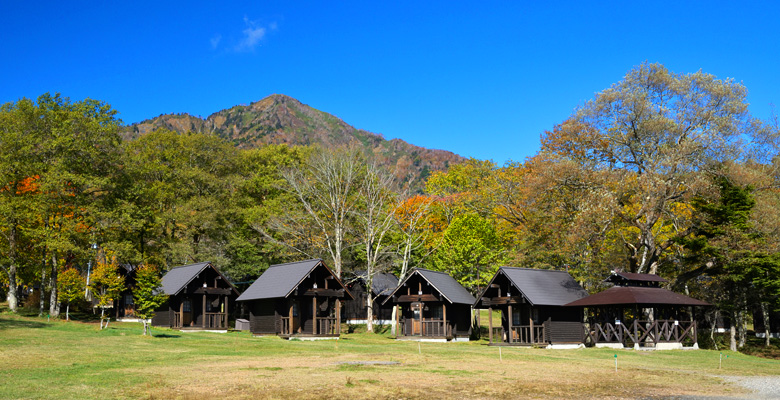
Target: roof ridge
(534, 269)
(295, 262)
(190, 265)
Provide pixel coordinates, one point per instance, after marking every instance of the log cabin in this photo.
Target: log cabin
(355, 311)
(298, 300)
(199, 298)
(638, 312)
(531, 302)
(432, 306)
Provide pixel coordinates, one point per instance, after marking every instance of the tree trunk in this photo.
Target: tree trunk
(67, 312)
(369, 311)
(10, 271)
(42, 290)
(742, 329)
(394, 323)
(733, 336)
(767, 325)
(54, 304)
(102, 313)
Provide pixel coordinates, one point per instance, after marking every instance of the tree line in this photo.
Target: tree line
(661, 173)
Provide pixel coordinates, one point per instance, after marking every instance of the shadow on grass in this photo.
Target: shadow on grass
(15, 323)
(166, 336)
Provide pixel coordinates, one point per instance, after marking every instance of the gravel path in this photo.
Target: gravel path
(763, 387)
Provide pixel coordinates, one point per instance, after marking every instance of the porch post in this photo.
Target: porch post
(444, 317)
(531, 323)
(227, 303)
(314, 315)
(181, 314)
(290, 320)
(490, 324)
(509, 324)
(338, 316)
(203, 311)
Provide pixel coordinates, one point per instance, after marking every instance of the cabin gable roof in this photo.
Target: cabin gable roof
(179, 277)
(279, 280)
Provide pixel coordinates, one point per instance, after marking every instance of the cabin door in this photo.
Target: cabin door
(186, 318)
(416, 318)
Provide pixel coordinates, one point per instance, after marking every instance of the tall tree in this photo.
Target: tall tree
(326, 190)
(653, 133)
(374, 218)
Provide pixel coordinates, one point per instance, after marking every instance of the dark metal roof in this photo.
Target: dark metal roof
(630, 276)
(179, 277)
(630, 295)
(383, 283)
(443, 283)
(279, 280)
(543, 287)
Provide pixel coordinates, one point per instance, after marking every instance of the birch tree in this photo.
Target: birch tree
(374, 218)
(326, 189)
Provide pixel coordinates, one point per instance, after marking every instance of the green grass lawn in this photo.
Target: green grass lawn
(57, 359)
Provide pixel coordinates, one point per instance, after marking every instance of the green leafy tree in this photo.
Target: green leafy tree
(105, 285)
(70, 288)
(148, 294)
(470, 251)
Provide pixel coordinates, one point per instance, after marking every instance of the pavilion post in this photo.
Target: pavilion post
(314, 315)
(203, 311)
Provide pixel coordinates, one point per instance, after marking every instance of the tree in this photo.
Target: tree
(651, 135)
(148, 294)
(71, 288)
(325, 188)
(374, 218)
(470, 251)
(105, 284)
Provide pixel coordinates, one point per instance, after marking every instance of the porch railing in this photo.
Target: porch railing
(527, 334)
(325, 326)
(426, 328)
(644, 332)
(215, 321)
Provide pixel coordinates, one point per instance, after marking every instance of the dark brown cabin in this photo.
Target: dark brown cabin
(199, 297)
(296, 300)
(433, 306)
(621, 315)
(355, 311)
(531, 302)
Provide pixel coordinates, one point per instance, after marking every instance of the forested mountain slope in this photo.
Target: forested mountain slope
(282, 119)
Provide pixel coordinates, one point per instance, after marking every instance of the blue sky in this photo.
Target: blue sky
(481, 79)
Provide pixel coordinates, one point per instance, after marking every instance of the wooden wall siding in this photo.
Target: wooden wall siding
(163, 318)
(356, 309)
(564, 332)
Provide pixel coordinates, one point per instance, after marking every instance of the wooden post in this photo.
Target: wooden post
(314, 315)
(290, 320)
(490, 324)
(444, 317)
(227, 302)
(203, 311)
(531, 323)
(181, 315)
(509, 324)
(338, 316)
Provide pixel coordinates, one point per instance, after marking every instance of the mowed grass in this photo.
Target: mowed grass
(61, 360)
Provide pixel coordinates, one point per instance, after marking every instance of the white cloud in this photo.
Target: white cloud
(215, 41)
(251, 35)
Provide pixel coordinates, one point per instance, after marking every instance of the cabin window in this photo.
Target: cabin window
(187, 306)
(437, 312)
(535, 315)
(516, 316)
(295, 309)
(129, 299)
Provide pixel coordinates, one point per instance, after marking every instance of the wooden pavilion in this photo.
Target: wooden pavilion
(638, 312)
(355, 311)
(296, 300)
(199, 298)
(432, 306)
(531, 304)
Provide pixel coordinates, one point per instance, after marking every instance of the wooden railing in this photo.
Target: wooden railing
(215, 321)
(325, 326)
(644, 332)
(527, 334)
(427, 328)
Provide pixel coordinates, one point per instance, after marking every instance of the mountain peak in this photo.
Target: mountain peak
(279, 118)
